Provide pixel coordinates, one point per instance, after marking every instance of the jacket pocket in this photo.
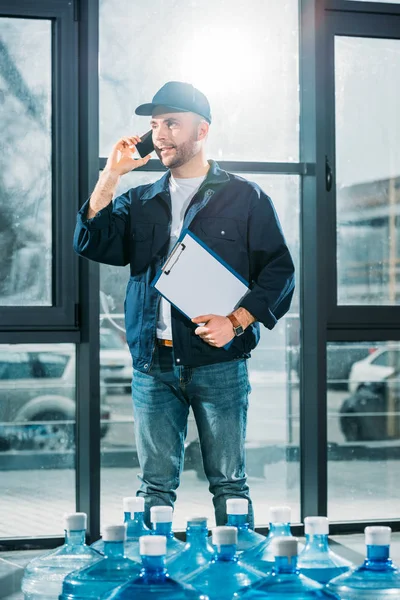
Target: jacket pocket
(225, 238)
(141, 247)
(134, 309)
(220, 229)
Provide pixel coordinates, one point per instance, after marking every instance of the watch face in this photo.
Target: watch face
(239, 330)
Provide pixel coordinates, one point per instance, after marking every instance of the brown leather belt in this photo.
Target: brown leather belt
(161, 342)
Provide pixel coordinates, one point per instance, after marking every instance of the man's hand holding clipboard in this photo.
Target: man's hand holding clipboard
(205, 300)
(217, 330)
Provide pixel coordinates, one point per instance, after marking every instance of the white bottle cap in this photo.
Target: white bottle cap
(133, 504)
(114, 533)
(316, 526)
(197, 521)
(75, 521)
(237, 506)
(377, 536)
(153, 545)
(279, 514)
(285, 546)
(224, 535)
(161, 514)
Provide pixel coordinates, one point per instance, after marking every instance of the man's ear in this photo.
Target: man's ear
(202, 130)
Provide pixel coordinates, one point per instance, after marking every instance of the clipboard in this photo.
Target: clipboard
(197, 281)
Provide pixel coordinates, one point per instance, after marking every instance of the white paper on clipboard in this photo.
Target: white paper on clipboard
(197, 282)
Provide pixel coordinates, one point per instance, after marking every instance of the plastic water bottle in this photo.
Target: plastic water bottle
(317, 560)
(262, 556)
(225, 574)
(237, 510)
(285, 581)
(161, 519)
(377, 578)
(135, 528)
(107, 574)
(154, 582)
(196, 553)
(44, 575)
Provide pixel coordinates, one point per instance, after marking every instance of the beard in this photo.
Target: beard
(180, 155)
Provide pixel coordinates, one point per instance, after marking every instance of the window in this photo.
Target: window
(367, 82)
(37, 438)
(245, 63)
(26, 191)
(49, 365)
(363, 434)
(382, 360)
(14, 366)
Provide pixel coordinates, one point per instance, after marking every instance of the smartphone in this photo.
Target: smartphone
(146, 146)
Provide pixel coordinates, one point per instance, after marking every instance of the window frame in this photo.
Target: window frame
(63, 312)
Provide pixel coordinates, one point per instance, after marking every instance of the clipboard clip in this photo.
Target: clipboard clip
(180, 247)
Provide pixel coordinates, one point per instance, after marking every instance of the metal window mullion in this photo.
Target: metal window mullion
(313, 422)
(353, 6)
(273, 168)
(88, 356)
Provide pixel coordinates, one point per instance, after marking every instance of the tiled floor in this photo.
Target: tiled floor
(12, 563)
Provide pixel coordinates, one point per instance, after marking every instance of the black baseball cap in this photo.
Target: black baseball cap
(180, 96)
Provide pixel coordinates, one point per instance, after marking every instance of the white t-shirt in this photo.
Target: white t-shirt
(182, 192)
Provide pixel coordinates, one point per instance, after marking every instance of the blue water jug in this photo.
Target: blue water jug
(225, 574)
(196, 553)
(44, 575)
(237, 510)
(135, 528)
(98, 580)
(161, 520)
(262, 556)
(377, 578)
(285, 582)
(317, 560)
(154, 581)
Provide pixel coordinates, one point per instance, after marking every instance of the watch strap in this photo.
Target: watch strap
(234, 321)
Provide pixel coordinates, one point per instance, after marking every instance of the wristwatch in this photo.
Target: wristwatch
(237, 328)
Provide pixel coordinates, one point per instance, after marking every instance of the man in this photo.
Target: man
(178, 363)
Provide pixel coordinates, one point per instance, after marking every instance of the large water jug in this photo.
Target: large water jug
(225, 574)
(262, 556)
(285, 582)
(317, 560)
(196, 553)
(110, 572)
(377, 578)
(44, 575)
(154, 582)
(135, 528)
(161, 520)
(237, 510)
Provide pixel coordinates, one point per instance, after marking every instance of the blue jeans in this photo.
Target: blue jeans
(218, 395)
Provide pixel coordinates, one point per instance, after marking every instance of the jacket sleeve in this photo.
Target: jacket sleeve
(105, 237)
(271, 265)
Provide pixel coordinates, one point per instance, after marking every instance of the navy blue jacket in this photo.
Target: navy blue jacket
(234, 217)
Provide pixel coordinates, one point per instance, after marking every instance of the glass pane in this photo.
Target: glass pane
(245, 59)
(37, 438)
(367, 80)
(25, 162)
(363, 430)
(273, 418)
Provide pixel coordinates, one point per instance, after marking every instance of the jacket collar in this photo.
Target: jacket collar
(215, 175)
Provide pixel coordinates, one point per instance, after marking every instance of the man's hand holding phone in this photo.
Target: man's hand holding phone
(121, 159)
